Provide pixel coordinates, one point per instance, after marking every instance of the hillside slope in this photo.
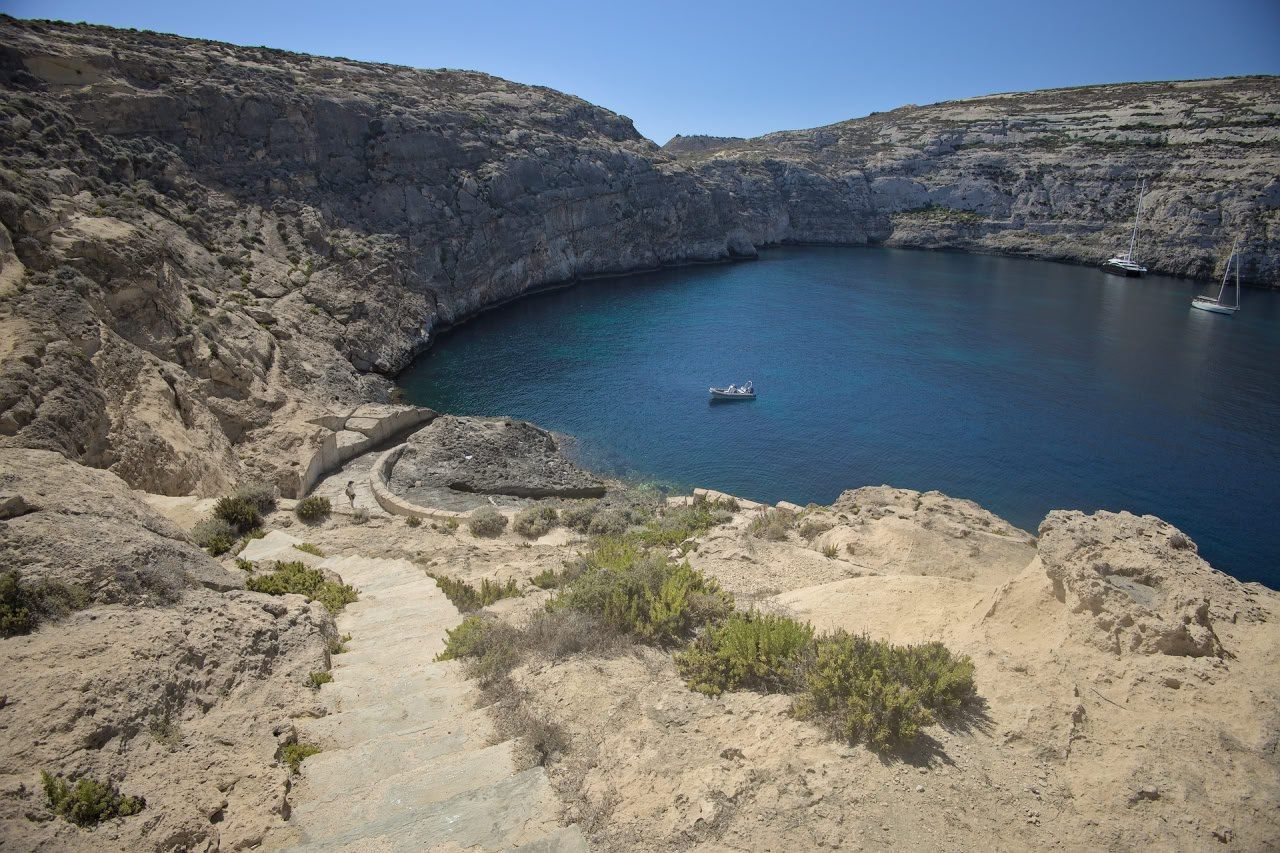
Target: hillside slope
(205, 248)
(1049, 174)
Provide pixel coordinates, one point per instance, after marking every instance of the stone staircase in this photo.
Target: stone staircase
(409, 763)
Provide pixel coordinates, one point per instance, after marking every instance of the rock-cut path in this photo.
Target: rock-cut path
(409, 762)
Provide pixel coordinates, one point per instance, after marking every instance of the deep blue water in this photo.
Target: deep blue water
(1023, 385)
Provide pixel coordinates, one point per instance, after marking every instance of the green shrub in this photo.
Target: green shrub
(812, 527)
(89, 801)
(491, 648)
(292, 754)
(772, 524)
(16, 616)
(318, 678)
(680, 523)
(633, 591)
(748, 650)
(412, 521)
(308, 548)
(829, 551)
(609, 522)
(244, 565)
(467, 598)
(578, 517)
(295, 577)
(260, 495)
(865, 690)
(548, 579)
(487, 522)
(215, 535)
(313, 509)
(23, 604)
(451, 524)
(536, 521)
(238, 512)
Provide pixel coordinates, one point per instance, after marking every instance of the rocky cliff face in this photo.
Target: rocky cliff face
(204, 248)
(1050, 174)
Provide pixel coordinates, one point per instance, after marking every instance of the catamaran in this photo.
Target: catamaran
(734, 392)
(1125, 264)
(1215, 304)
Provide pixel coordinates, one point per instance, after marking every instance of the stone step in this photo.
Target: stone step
(566, 839)
(515, 811)
(401, 715)
(365, 763)
(334, 806)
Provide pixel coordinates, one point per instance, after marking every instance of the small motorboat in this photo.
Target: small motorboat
(734, 392)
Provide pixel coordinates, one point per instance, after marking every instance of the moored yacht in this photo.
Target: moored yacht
(1125, 264)
(1215, 303)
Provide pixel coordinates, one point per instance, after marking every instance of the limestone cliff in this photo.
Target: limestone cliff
(206, 249)
(1049, 174)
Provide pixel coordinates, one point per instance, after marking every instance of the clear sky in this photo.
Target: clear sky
(744, 68)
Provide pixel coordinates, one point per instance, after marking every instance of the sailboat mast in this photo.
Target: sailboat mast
(1133, 238)
(1237, 280)
(1226, 274)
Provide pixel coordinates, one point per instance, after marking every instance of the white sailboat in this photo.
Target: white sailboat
(1125, 264)
(1215, 304)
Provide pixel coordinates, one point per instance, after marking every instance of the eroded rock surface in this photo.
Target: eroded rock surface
(1138, 584)
(488, 456)
(161, 684)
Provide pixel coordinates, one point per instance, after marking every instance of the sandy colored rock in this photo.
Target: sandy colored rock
(167, 687)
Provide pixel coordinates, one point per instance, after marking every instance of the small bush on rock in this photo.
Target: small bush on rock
(23, 604)
(680, 523)
(811, 528)
(865, 690)
(88, 802)
(215, 535)
(491, 648)
(487, 522)
(773, 525)
(829, 551)
(292, 754)
(748, 650)
(308, 548)
(578, 517)
(319, 678)
(467, 598)
(260, 495)
(313, 509)
(238, 512)
(609, 522)
(536, 521)
(295, 577)
(632, 591)
(413, 521)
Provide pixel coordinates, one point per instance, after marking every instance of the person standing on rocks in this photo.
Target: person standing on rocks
(350, 492)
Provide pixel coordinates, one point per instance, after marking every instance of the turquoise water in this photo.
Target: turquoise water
(1023, 385)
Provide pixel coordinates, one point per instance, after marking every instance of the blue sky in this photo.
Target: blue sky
(745, 68)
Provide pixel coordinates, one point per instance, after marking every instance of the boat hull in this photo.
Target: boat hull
(1127, 272)
(721, 395)
(1214, 308)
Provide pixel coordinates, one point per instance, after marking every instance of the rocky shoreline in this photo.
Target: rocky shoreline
(214, 258)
